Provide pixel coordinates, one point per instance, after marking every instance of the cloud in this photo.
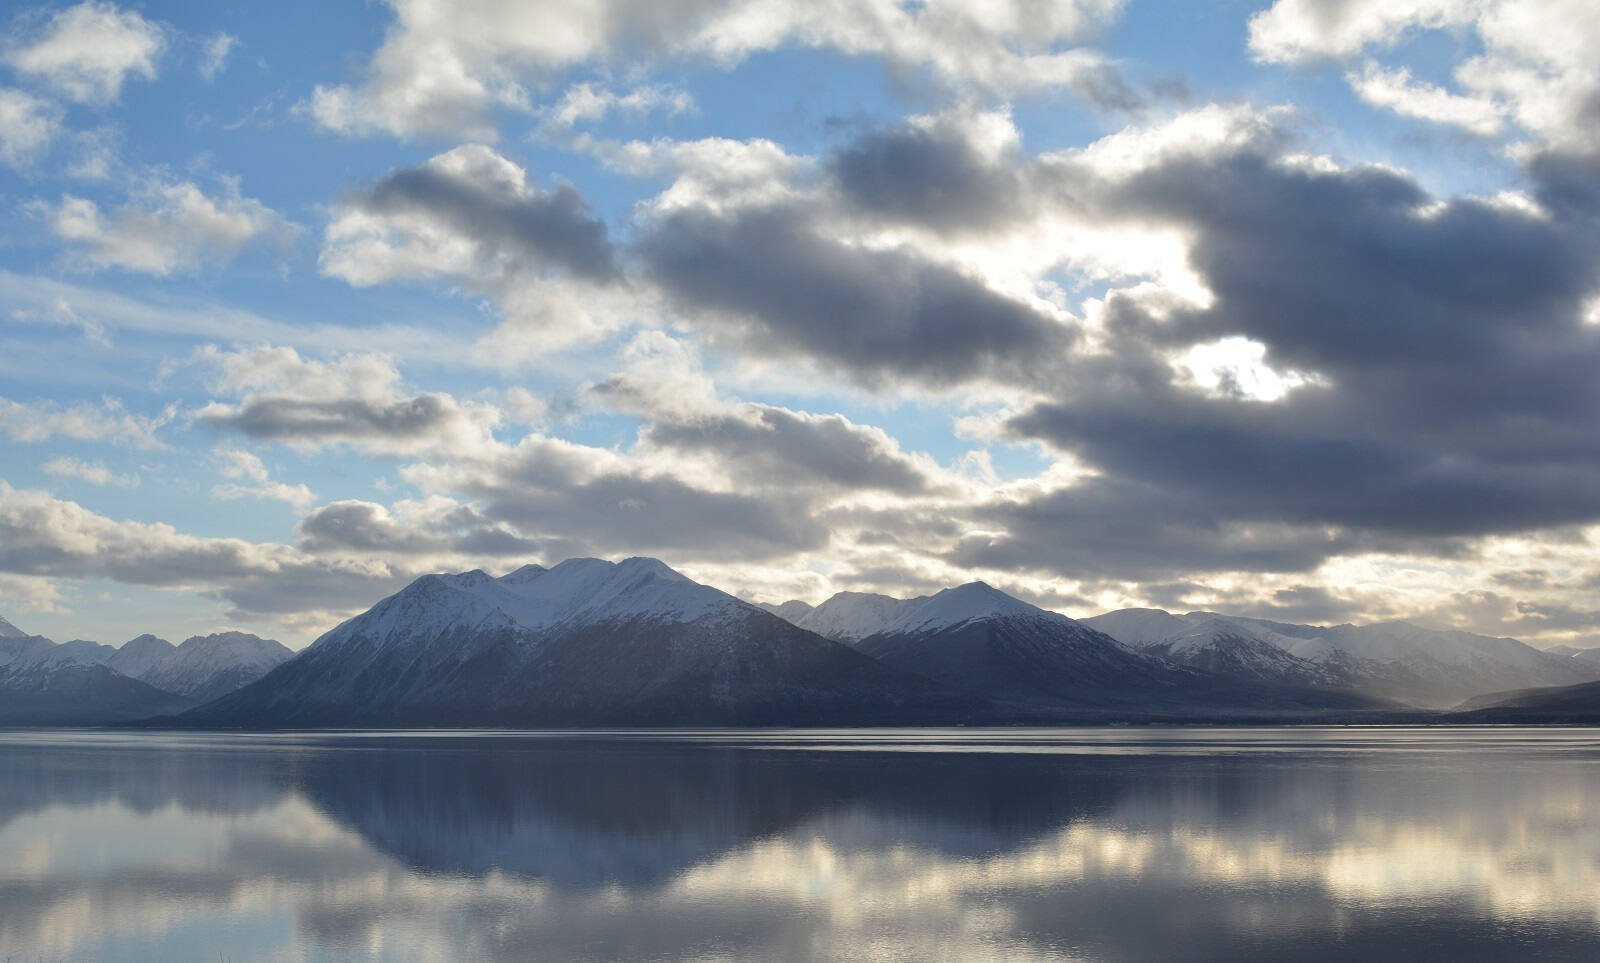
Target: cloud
(93, 472)
(215, 56)
(167, 228)
(1535, 66)
(584, 500)
(589, 103)
(774, 281)
(1397, 91)
(242, 466)
(28, 125)
(354, 400)
(433, 527)
(86, 52)
(470, 216)
(82, 421)
(753, 445)
(45, 537)
(444, 69)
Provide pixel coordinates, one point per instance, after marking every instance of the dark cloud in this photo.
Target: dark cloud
(357, 526)
(588, 504)
(932, 177)
(1457, 391)
(771, 279)
(767, 446)
(533, 227)
(340, 419)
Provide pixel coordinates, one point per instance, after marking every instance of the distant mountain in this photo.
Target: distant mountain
(1547, 705)
(587, 642)
(42, 683)
(852, 616)
(88, 683)
(204, 666)
(982, 641)
(791, 611)
(1394, 660)
(9, 631)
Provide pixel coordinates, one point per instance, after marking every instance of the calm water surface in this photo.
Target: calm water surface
(1109, 844)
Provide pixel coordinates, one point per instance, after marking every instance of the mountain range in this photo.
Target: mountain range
(86, 683)
(634, 643)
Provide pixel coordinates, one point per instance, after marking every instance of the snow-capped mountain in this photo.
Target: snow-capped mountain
(9, 631)
(986, 642)
(203, 667)
(852, 616)
(42, 683)
(82, 682)
(586, 642)
(1397, 660)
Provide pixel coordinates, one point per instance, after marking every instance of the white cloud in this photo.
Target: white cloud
(1397, 91)
(42, 536)
(167, 228)
(27, 126)
(87, 52)
(445, 67)
(472, 217)
(215, 56)
(355, 400)
(1237, 368)
(588, 103)
(93, 472)
(250, 479)
(81, 421)
(1537, 65)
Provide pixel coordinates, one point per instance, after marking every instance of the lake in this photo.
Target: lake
(1063, 844)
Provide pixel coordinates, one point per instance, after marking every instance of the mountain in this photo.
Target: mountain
(588, 642)
(1547, 705)
(1394, 660)
(204, 666)
(982, 641)
(9, 631)
(791, 611)
(852, 616)
(42, 683)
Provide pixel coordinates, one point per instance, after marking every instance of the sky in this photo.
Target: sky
(1287, 309)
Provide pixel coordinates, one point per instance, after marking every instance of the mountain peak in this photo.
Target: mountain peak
(953, 606)
(523, 575)
(653, 566)
(9, 631)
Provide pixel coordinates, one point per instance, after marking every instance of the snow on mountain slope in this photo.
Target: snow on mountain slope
(588, 641)
(9, 631)
(1397, 660)
(791, 611)
(849, 616)
(204, 667)
(1139, 627)
(139, 656)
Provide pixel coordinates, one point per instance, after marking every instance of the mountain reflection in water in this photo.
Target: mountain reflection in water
(1019, 844)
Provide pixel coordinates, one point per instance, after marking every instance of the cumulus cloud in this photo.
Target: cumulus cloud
(443, 69)
(88, 51)
(470, 216)
(28, 125)
(167, 228)
(355, 400)
(250, 479)
(754, 445)
(43, 536)
(1536, 66)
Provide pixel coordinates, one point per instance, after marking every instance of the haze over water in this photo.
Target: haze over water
(1109, 844)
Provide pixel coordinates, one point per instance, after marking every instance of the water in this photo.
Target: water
(1108, 844)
